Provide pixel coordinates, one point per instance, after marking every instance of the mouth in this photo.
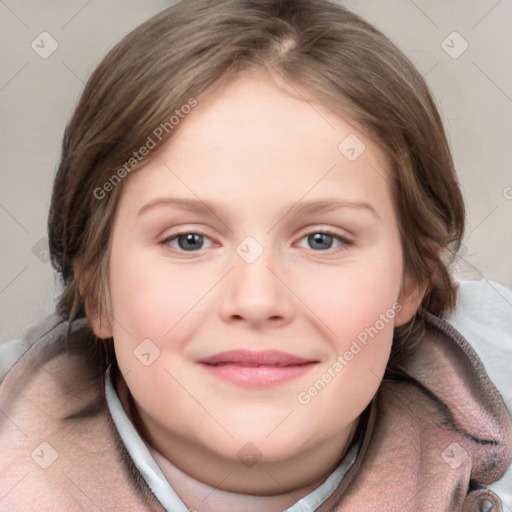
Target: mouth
(256, 369)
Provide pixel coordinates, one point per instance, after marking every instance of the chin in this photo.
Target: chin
(258, 445)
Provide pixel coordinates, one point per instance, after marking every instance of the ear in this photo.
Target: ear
(412, 293)
(410, 299)
(96, 313)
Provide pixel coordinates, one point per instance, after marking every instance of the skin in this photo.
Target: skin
(255, 150)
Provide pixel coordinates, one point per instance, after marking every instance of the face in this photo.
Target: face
(260, 227)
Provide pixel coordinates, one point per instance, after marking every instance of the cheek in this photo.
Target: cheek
(340, 391)
(152, 300)
(144, 303)
(353, 297)
(358, 313)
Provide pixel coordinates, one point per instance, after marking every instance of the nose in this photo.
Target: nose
(257, 293)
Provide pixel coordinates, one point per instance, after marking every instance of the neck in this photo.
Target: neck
(201, 496)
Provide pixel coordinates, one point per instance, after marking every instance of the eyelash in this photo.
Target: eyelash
(344, 241)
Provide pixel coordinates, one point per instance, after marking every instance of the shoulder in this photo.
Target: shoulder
(12, 350)
(483, 315)
(55, 378)
(37, 393)
(59, 446)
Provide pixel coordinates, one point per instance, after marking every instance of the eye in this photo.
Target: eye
(192, 241)
(323, 240)
(187, 241)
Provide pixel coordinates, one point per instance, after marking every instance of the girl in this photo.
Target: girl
(253, 217)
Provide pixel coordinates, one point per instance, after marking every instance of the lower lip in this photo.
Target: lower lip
(257, 376)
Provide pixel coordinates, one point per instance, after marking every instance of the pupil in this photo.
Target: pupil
(191, 241)
(323, 239)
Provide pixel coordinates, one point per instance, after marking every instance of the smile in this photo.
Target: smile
(256, 369)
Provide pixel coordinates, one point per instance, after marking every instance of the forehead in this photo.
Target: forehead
(253, 108)
(251, 140)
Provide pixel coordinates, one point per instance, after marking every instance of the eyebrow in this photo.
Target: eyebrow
(308, 207)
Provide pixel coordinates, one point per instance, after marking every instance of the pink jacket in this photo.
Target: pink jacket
(434, 438)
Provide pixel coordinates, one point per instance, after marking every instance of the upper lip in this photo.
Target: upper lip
(252, 358)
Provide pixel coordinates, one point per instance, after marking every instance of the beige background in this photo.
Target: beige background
(37, 96)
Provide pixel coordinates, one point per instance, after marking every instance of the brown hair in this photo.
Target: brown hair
(347, 64)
